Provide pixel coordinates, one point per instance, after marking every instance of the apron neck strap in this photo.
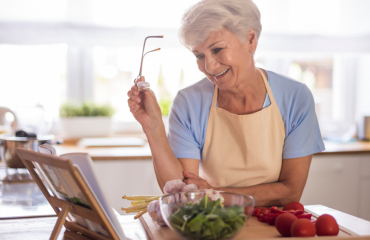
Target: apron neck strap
(215, 93)
(272, 99)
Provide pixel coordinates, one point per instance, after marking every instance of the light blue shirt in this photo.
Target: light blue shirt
(190, 111)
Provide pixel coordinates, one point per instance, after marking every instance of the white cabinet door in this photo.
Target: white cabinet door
(333, 181)
(364, 206)
(364, 203)
(126, 177)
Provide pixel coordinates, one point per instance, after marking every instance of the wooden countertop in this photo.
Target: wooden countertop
(41, 228)
(144, 153)
(109, 153)
(348, 147)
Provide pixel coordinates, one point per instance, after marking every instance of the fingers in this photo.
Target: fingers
(191, 178)
(190, 175)
(149, 94)
(134, 94)
(190, 181)
(134, 97)
(132, 104)
(134, 90)
(141, 79)
(201, 184)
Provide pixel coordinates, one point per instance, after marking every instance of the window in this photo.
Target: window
(318, 76)
(33, 75)
(116, 68)
(90, 50)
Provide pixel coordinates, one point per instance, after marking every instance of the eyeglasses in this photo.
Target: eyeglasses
(145, 85)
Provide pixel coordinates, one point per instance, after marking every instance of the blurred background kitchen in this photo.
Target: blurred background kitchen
(55, 55)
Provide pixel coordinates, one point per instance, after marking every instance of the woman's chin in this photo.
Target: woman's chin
(224, 85)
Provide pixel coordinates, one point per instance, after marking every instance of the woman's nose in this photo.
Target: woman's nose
(211, 64)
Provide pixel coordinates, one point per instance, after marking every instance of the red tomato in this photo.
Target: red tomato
(326, 225)
(257, 210)
(283, 223)
(303, 228)
(265, 211)
(293, 206)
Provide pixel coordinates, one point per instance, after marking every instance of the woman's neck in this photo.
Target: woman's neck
(246, 97)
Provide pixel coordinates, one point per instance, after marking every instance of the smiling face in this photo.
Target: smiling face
(225, 60)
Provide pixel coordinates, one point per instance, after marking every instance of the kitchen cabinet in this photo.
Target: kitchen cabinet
(128, 177)
(339, 177)
(364, 203)
(341, 181)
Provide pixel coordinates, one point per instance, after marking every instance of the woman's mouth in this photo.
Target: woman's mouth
(221, 74)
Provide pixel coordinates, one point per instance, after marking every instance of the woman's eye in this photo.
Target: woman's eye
(217, 50)
(200, 56)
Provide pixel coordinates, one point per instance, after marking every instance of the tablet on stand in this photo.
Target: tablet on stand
(74, 193)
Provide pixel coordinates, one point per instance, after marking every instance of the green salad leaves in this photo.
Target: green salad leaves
(208, 220)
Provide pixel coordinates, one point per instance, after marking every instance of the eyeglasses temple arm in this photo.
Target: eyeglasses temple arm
(141, 67)
(142, 54)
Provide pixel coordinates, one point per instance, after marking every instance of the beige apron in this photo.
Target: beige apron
(243, 150)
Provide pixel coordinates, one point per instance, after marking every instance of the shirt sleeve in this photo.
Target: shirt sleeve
(304, 137)
(180, 136)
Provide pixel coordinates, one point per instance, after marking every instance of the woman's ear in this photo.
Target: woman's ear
(251, 37)
(252, 40)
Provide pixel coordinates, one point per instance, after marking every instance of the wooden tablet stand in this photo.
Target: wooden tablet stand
(63, 207)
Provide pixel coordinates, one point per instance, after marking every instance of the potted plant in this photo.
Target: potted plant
(165, 99)
(86, 120)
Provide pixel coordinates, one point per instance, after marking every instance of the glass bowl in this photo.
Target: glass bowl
(206, 214)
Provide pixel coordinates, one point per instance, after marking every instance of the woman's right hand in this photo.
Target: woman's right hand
(144, 106)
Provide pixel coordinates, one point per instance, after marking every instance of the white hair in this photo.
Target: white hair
(206, 16)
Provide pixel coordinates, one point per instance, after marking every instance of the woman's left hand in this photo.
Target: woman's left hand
(200, 182)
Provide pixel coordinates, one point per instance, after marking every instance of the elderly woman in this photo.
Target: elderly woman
(241, 129)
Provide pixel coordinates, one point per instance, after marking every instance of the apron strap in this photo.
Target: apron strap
(271, 96)
(272, 99)
(215, 93)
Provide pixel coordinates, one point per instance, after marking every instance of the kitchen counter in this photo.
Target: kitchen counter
(41, 228)
(108, 153)
(348, 147)
(342, 167)
(132, 153)
(137, 160)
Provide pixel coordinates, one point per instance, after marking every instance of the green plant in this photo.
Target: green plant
(165, 98)
(86, 109)
(165, 105)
